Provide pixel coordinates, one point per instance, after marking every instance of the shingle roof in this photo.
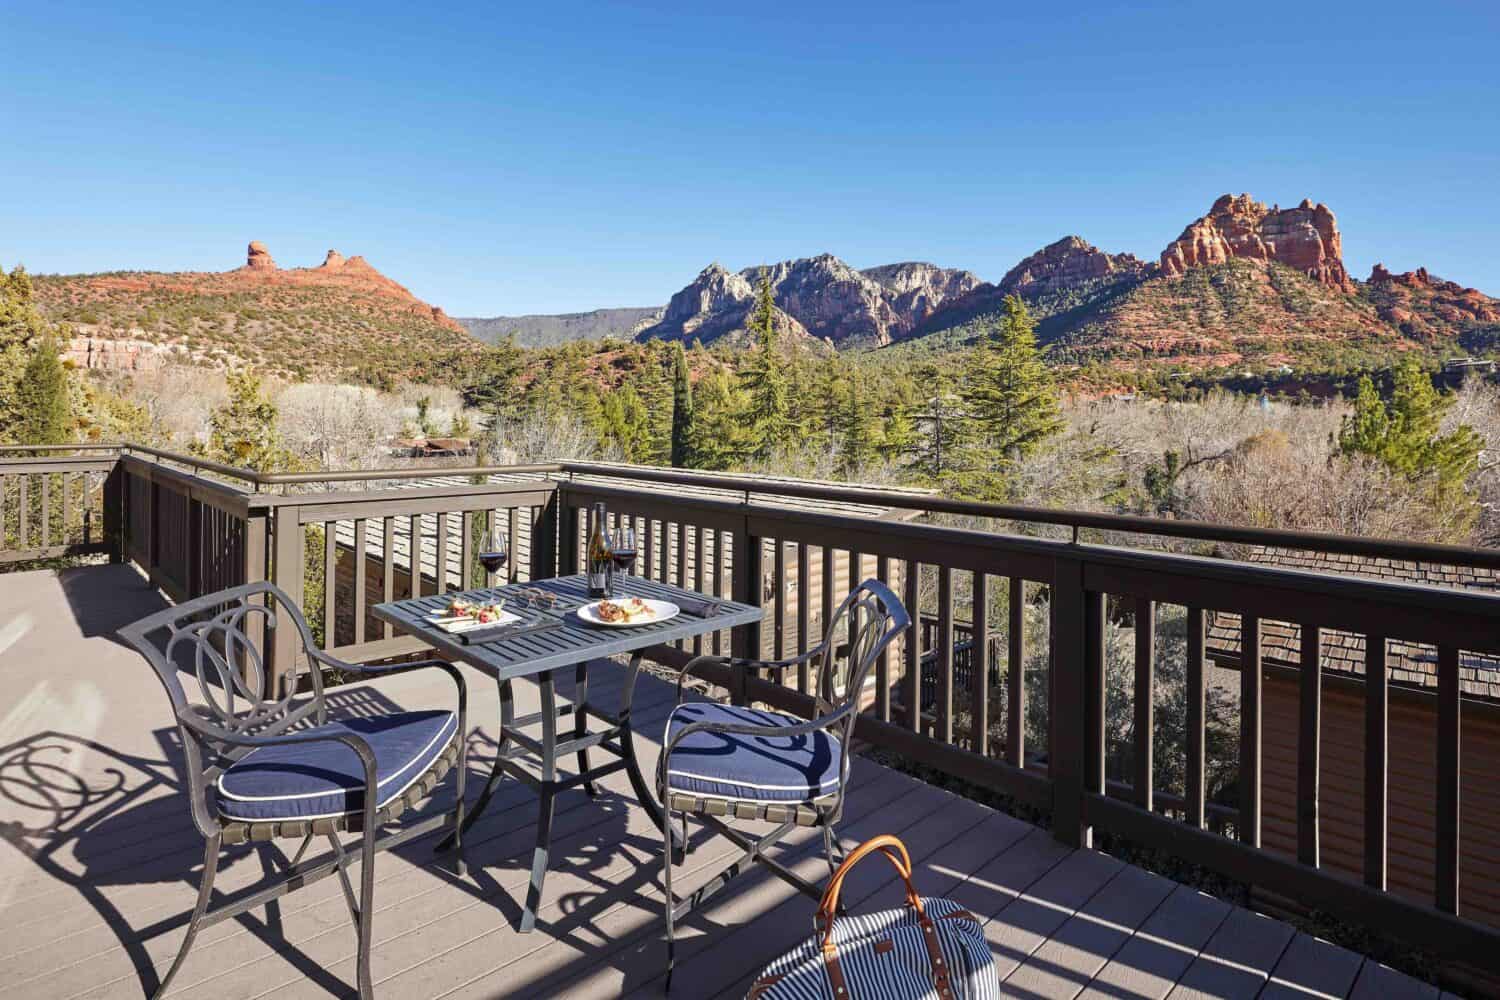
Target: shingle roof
(1412, 664)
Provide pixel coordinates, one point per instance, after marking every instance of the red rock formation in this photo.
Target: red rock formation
(1305, 238)
(1422, 305)
(1069, 262)
(259, 258)
(333, 261)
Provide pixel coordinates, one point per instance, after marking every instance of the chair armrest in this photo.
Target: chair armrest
(376, 670)
(776, 666)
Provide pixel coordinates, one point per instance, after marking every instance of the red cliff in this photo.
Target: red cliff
(1305, 238)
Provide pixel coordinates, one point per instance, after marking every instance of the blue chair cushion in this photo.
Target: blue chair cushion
(320, 780)
(750, 768)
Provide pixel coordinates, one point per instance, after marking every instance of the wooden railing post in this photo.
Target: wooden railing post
(545, 561)
(287, 571)
(745, 584)
(1067, 750)
(115, 491)
(567, 555)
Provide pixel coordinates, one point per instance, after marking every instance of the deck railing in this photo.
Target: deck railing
(1049, 607)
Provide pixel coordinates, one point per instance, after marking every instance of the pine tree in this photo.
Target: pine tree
(682, 409)
(243, 431)
(626, 425)
(1010, 401)
(21, 326)
(42, 396)
(855, 430)
(1405, 434)
(764, 376)
(653, 384)
(722, 438)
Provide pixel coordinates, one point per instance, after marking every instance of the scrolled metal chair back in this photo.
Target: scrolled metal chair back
(221, 640)
(867, 621)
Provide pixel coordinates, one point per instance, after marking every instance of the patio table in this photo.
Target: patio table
(537, 656)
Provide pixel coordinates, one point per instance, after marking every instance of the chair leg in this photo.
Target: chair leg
(367, 909)
(205, 891)
(460, 864)
(666, 867)
(832, 849)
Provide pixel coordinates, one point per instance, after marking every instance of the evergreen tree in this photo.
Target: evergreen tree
(855, 429)
(682, 409)
(722, 437)
(243, 431)
(42, 396)
(488, 383)
(626, 425)
(898, 438)
(21, 326)
(653, 385)
(1405, 434)
(1010, 401)
(764, 376)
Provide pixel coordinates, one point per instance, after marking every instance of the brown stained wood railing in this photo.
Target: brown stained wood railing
(190, 530)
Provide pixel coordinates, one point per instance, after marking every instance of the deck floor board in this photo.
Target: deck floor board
(103, 860)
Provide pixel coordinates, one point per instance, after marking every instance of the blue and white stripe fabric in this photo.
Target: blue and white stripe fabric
(884, 957)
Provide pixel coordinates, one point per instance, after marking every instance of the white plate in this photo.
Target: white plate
(456, 626)
(658, 611)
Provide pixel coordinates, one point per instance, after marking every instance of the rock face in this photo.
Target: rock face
(1424, 306)
(116, 354)
(1305, 238)
(333, 260)
(1066, 264)
(821, 297)
(916, 290)
(258, 258)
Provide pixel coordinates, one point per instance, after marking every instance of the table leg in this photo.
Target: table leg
(507, 719)
(546, 793)
(643, 792)
(581, 720)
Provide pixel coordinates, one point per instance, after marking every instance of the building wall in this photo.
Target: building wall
(1411, 795)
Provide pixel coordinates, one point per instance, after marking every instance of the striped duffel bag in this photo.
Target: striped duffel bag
(927, 948)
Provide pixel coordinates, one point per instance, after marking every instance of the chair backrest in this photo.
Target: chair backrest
(867, 621)
(222, 640)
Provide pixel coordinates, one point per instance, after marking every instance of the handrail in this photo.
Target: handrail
(1133, 524)
(1378, 547)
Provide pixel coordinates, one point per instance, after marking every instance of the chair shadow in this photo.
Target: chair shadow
(105, 598)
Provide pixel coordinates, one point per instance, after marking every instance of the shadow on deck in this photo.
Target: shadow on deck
(95, 892)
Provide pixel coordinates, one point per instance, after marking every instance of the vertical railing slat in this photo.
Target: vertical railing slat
(388, 568)
(1015, 675)
(912, 677)
(1145, 707)
(466, 551)
(826, 618)
(804, 613)
(1195, 718)
(682, 567)
(512, 532)
(359, 580)
(979, 668)
(1094, 745)
(414, 526)
(698, 578)
(1377, 722)
(718, 566)
(1449, 741)
(1251, 726)
(23, 511)
(330, 582)
(778, 607)
(944, 709)
(1309, 726)
(46, 522)
(883, 664)
(441, 563)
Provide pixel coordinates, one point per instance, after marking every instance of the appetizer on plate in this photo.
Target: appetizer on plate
(482, 613)
(626, 610)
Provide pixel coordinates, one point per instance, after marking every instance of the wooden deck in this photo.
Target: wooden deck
(100, 874)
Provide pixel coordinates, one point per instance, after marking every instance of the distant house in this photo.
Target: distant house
(1412, 728)
(431, 447)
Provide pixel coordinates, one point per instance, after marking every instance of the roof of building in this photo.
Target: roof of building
(1411, 664)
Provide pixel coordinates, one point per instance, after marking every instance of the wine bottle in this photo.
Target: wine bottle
(601, 565)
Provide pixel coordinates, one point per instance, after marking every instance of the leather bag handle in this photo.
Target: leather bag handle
(894, 851)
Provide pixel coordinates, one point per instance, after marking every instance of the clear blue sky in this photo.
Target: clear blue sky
(508, 158)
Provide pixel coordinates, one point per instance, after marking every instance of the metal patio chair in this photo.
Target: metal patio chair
(725, 762)
(262, 765)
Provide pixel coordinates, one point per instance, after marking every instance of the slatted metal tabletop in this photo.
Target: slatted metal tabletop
(575, 640)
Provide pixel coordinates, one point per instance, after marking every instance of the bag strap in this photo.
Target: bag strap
(895, 852)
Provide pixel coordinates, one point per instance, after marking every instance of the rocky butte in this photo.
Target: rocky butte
(1305, 238)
